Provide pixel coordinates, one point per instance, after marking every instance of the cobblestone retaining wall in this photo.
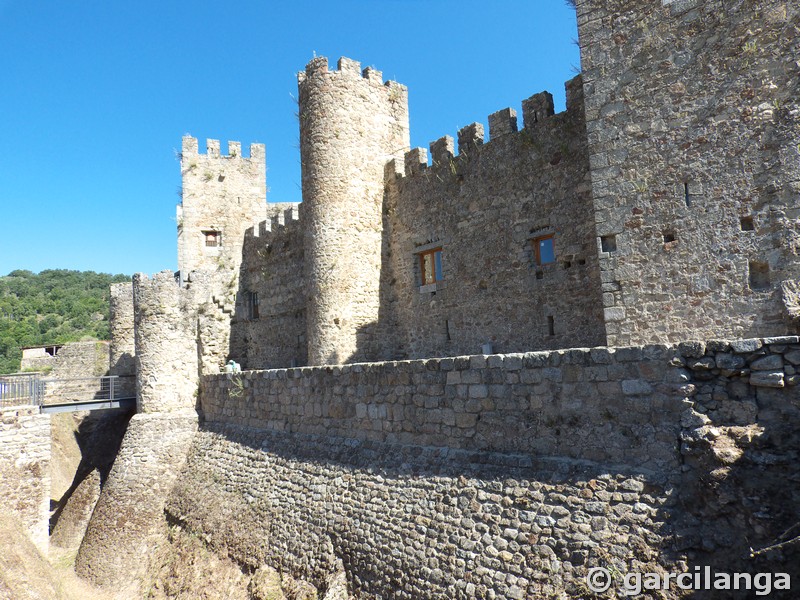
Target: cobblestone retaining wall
(502, 476)
(412, 522)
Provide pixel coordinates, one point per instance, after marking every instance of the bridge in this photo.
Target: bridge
(67, 395)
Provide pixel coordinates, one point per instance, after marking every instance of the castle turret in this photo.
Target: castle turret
(166, 344)
(222, 196)
(351, 124)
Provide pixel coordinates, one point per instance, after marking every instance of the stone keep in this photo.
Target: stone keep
(351, 125)
(693, 128)
(222, 196)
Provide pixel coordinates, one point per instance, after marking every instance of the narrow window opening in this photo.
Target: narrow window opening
(669, 236)
(551, 325)
(686, 197)
(447, 329)
(747, 224)
(252, 305)
(608, 243)
(759, 275)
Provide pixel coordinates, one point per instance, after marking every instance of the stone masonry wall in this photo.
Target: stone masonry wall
(167, 364)
(600, 404)
(486, 207)
(221, 193)
(411, 522)
(25, 469)
(502, 479)
(694, 139)
(123, 340)
(351, 124)
(127, 525)
(273, 268)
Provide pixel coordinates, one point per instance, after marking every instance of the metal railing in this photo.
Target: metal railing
(82, 389)
(30, 388)
(21, 389)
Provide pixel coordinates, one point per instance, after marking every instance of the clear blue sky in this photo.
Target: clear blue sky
(95, 96)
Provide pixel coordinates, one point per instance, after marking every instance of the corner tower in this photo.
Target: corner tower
(221, 197)
(693, 124)
(351, 124)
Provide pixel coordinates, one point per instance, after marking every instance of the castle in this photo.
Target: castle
(661, 205)
(477, 373)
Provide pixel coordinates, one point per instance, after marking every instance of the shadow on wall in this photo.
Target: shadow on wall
(307, 504)
(99, 437)
(738, 501)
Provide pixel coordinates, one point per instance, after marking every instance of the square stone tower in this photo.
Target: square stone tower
(223, 195)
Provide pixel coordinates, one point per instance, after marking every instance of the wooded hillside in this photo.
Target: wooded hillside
(51, 307)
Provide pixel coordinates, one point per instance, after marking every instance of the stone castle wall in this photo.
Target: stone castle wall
(25, 469)
(123, 342)
(599, 404)
(127, 525)
(486, 207)
(659, 466)
(272, 334)
(692, 119)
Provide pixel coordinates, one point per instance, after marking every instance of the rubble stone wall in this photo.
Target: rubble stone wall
(693, 127)
(25, 469)
(272, 334)
(487, 207)
(502, 477)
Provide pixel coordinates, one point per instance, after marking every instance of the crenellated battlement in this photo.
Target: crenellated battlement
(190, 149)
(537, 112)
(350, 69)
(277, 222)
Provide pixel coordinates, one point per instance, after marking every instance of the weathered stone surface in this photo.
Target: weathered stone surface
(773, 379)
(127, 522)
(767, 363)
(25, 469)
(676, 159)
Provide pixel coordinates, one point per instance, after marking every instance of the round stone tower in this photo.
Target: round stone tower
(165, 326)
(351, 124)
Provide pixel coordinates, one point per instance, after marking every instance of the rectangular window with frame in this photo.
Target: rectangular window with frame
(213, 239)
(252, 305)
(430, 266)
(544, 251)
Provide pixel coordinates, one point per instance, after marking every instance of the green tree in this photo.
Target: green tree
(51, 307)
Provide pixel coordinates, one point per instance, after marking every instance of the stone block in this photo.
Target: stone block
(770, 379)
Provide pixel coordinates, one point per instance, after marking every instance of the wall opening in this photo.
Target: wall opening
(759, 275)
(669, 236)
(213, 238)
(608, 243)
(551, 325)
(747, 224)
(686, 197)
